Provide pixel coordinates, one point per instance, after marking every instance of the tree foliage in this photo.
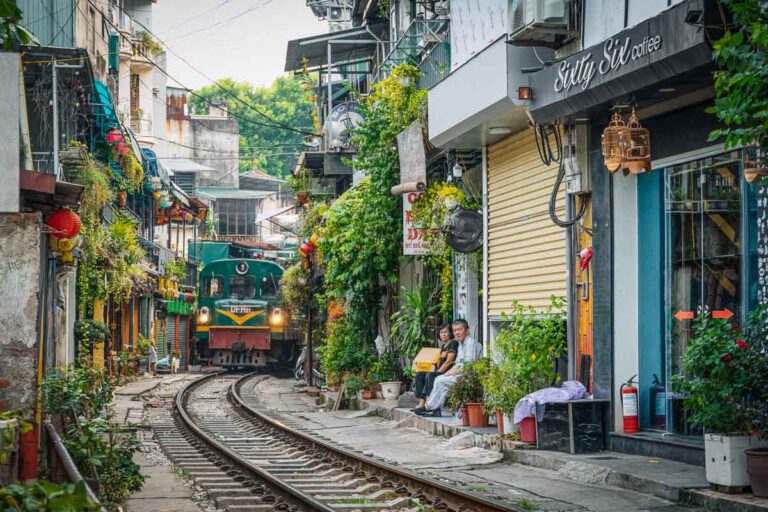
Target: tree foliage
(285, 102)
(741, 82)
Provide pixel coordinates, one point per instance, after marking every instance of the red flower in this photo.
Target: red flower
(726, 358)
(742, 344)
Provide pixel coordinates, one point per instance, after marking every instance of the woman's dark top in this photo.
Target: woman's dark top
(451, 346)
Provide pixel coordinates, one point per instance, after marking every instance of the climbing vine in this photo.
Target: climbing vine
(360, 236)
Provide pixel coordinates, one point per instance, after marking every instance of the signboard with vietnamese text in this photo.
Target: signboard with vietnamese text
(414, 242)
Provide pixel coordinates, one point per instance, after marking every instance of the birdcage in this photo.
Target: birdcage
(612, 150)
(755, 163)
(636, 146)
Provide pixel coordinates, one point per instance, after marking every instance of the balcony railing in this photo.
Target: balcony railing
(415, 45)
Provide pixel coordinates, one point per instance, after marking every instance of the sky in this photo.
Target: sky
(242, 39)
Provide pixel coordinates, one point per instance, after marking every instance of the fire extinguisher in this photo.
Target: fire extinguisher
(629, 407)
(658, 403)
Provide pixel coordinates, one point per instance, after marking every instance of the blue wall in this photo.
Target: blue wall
(51, 21)
(650, 206)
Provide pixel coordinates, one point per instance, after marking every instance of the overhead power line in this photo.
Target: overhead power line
(214, 25)
(228, 92)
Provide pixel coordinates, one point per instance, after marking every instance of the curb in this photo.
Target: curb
(597, 474)
(720, 503)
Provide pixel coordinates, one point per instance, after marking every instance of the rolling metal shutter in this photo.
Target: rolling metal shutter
(183, 340)
(526, 251)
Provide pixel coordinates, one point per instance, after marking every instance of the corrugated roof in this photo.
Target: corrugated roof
(183, 165)
(231, 193)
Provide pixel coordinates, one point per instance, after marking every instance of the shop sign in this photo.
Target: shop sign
(414, 240)
(616, 53)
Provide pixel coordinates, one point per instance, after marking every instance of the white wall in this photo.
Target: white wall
(625, 275)
(474, 27)
(604, 18)
(9, 132)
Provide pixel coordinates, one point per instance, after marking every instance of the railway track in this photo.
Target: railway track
(248, 461)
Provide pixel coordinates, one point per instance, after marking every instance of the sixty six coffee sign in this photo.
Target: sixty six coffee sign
(616, 53)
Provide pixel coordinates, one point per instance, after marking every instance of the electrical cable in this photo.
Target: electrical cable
(276, 124)
(545, 136)
(214, 25)
(196, 16)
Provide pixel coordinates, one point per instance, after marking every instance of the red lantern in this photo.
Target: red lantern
(65, 223)
(124, 150)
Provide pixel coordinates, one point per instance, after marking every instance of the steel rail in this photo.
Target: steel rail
(447, 493)
(293, 495)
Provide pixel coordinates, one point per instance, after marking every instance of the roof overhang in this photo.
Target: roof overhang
(354, 44)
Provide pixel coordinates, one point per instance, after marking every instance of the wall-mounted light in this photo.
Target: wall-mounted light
(458, 170)
(694, 17)
(524, 93)
(499, 130)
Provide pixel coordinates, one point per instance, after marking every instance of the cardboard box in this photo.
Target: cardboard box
(426, 360)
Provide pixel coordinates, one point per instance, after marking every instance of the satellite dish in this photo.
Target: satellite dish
(339, 125)
(464, 230)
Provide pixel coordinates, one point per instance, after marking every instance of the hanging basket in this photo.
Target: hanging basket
(613, 155)
(755, 163)
(635, 144)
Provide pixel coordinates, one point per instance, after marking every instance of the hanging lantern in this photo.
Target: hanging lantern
(114, 136)
(755, 163)
(65, 223)
(611, 139)
(636, 146)
(156, 194)
(124, 150)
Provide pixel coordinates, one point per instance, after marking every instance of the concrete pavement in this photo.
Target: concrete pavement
(457, 460)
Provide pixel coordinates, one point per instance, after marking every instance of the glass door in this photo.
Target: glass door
(703, 257)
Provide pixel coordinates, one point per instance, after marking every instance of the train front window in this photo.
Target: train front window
(242, 287)
(213, 286)
(268, 287)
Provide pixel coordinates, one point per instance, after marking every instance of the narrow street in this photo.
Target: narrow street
(384, 255)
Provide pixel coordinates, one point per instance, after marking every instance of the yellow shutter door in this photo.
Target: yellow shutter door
(526, 251)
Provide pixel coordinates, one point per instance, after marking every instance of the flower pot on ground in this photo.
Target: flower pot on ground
(368, 394)
(476, 413)
(509, 424)
(464, 412)
(723, 378)
(528, 430)
(390, 390)
(500, 422)
(726, 463)
(757, 469)
(122, 198)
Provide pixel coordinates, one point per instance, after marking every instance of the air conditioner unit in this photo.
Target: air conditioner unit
(335, 26)
(339, 13)
(540, 21)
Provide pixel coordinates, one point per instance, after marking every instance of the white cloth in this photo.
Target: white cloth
(175, 365)
(469, 351)
(152, 354)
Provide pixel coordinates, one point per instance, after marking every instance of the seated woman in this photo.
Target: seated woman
(424, 380)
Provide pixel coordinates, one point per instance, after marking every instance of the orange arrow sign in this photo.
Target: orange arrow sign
(725, 314)
(684, 315)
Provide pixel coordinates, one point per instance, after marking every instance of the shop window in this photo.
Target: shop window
(213, 286)
(242, 287)
(708, 247)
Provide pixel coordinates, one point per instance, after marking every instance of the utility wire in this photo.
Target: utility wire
(232, 18)
(218, 6)
(277, 124)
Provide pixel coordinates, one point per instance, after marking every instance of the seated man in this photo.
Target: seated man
(469, 351)
(424, 380)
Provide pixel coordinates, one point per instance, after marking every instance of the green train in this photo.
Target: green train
(239, 321)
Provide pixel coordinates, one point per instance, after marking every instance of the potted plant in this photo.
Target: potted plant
(387, 372)
(468, 392)
(524, 357)
(756, 407)
(353, 385)
(719, 383)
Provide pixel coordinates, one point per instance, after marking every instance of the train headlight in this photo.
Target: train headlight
(204, 316)
(276, 318)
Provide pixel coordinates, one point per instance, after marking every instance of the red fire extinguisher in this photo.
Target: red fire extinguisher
(629, 407)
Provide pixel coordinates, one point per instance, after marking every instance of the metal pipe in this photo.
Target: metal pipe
(55, 92)
(329, 85)
(486, 323)
(70, 469)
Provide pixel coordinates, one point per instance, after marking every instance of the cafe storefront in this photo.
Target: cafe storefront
(673, 237)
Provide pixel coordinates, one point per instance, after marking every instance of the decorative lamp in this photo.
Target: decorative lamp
(64, 223)
(114, 136)
(636, 146)
(755, 163)
(611, 139)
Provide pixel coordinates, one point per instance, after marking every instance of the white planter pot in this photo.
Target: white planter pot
(390, 390)
(509, 424)
(726, 462)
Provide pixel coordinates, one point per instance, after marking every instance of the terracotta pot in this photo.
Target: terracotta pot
(368, 394)
(122, 198)
(464, 416)
(757, 469)
(302, 196)
(500, 422)
(476, 413)
(528, 430)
